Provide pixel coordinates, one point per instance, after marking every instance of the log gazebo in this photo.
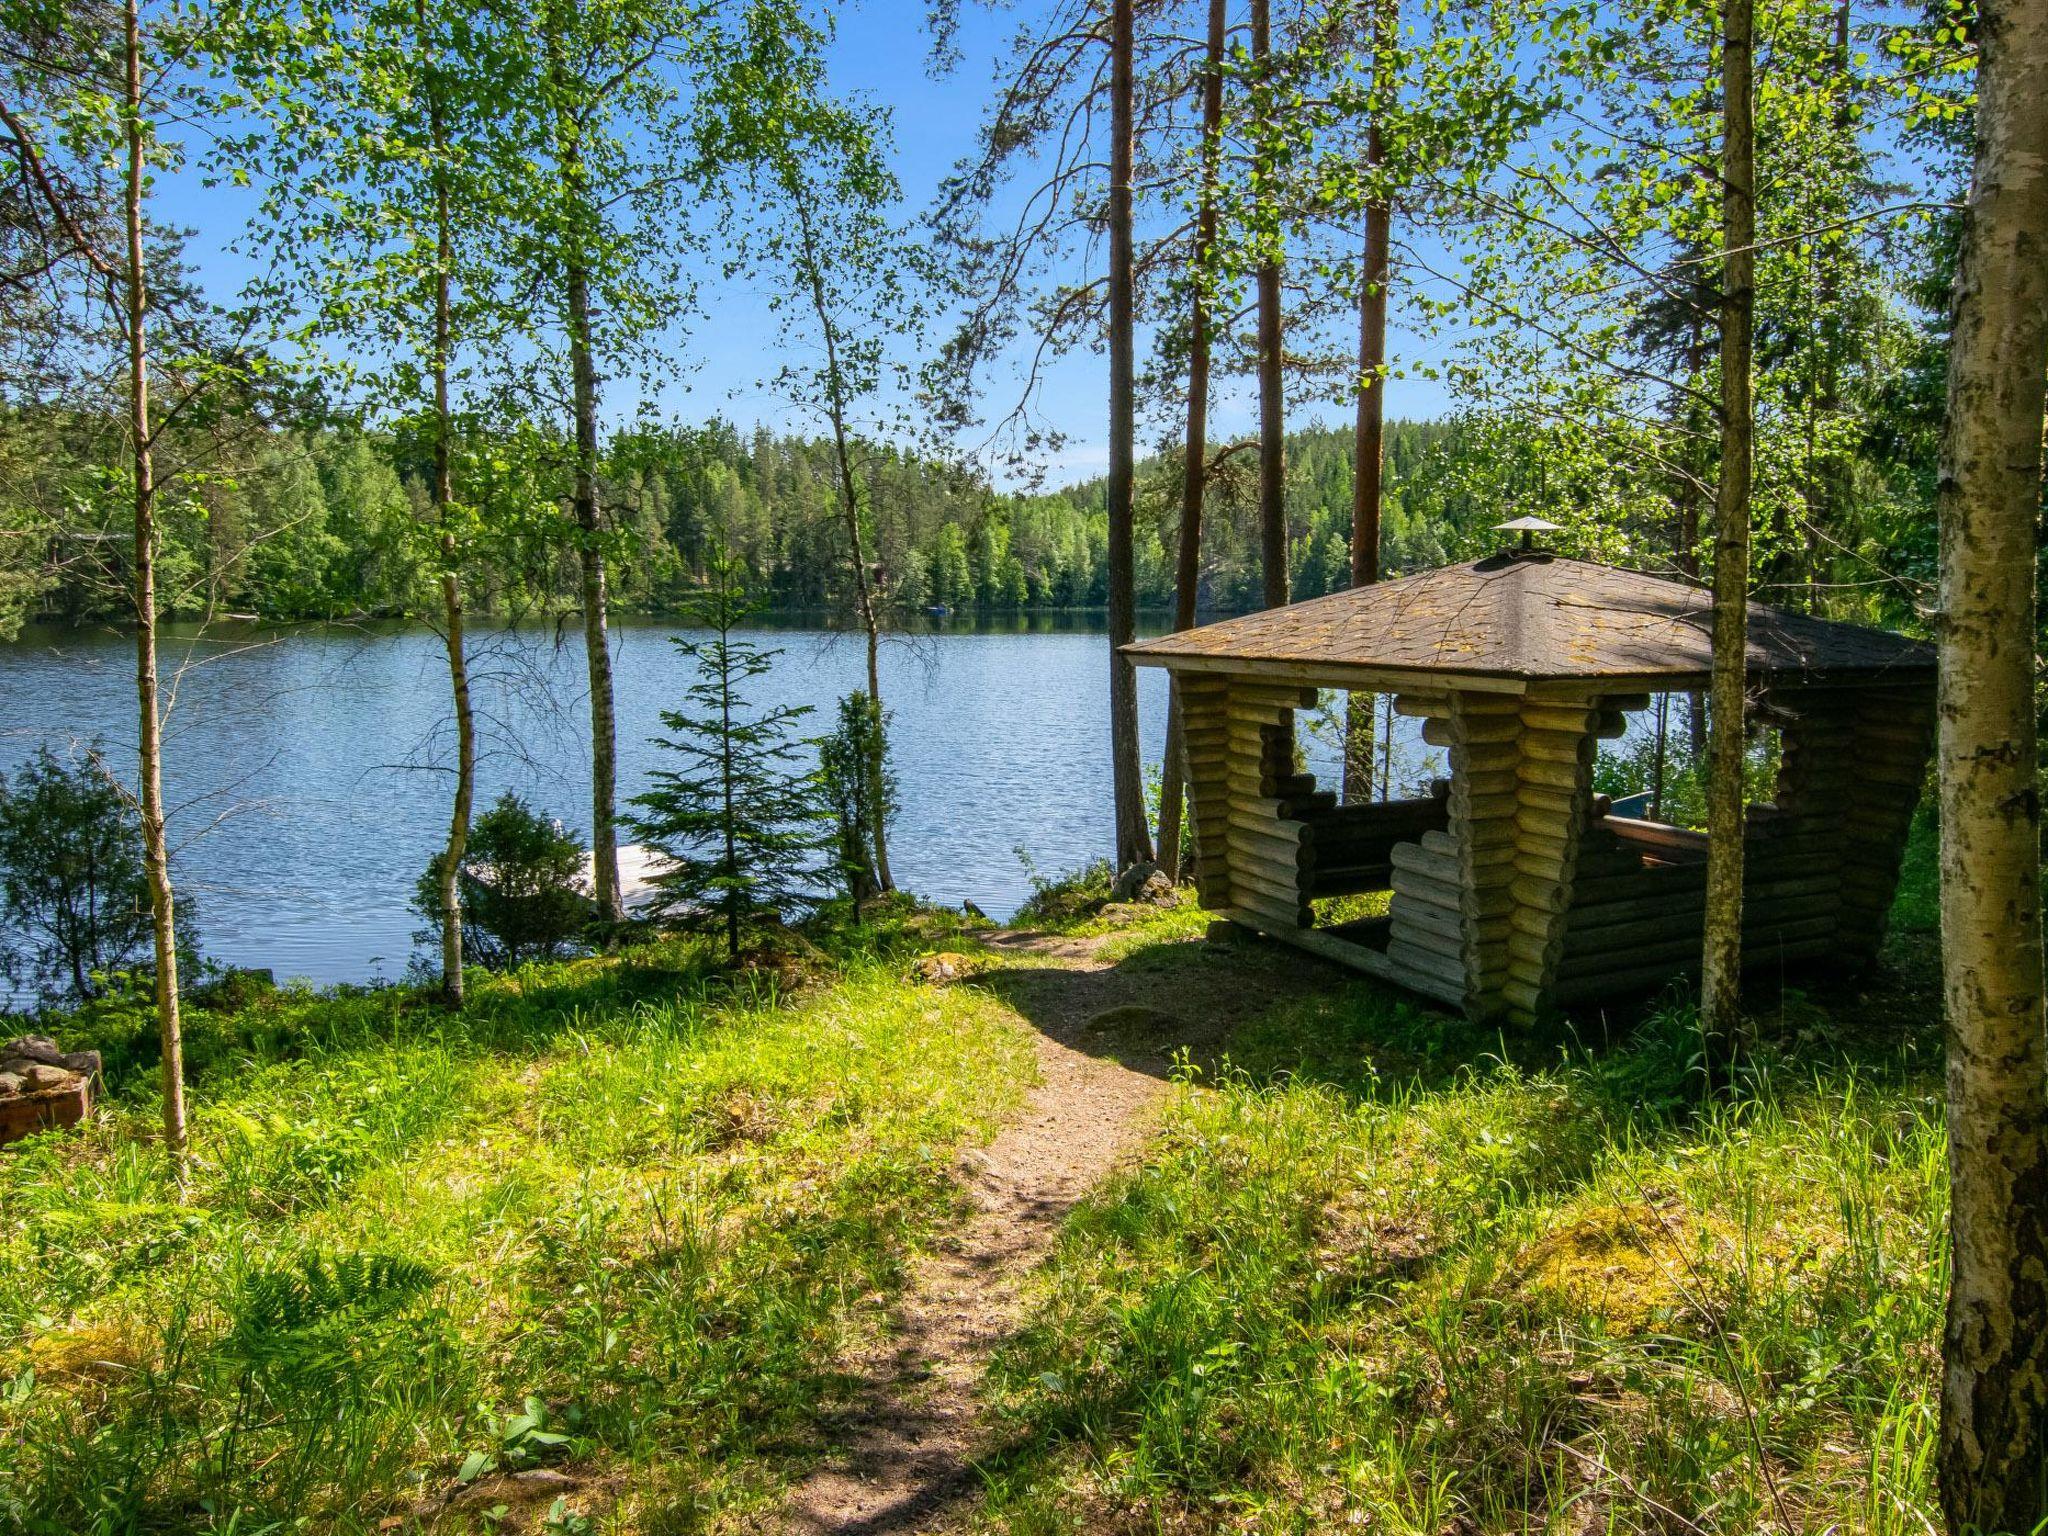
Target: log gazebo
(1514, 889)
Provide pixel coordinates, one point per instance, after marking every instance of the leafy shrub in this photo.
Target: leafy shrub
(1074, 897)
(524, 893)
(859, 789)
(74, 898)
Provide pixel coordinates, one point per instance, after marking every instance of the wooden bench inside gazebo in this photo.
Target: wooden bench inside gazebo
(1513, 889)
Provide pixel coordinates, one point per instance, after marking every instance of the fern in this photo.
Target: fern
(318, 1304)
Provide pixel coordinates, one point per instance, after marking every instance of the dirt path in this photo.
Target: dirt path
(905, 1449)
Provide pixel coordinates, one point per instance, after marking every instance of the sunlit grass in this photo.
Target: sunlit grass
(659, 1211)
(1389, 1271)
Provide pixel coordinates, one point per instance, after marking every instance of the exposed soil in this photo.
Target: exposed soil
(903, 1454)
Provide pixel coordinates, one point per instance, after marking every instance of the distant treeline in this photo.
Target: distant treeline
(325, 523)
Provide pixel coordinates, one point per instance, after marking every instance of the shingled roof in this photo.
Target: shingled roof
(1534, 617)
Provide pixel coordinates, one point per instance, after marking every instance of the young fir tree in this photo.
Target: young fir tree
(739, 826)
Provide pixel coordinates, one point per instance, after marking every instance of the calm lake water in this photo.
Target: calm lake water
(307, 767)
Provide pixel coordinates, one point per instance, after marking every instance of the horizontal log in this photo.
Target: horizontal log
(1542, 771)
(1475, 702)
(1547, 820)
(1422, 706)
(1436, 865)
(1272, 872)
(1490, 781)
(1621, 984)
(1471, 729)
(1447, 942)
(1652, 834)
(1555, 747)
(1412, 885)
(1360, 957)
(1446, 969)
(1258, 814)
(1269, 907)
(1569, 719)
(1475, 807)
(1290, 694)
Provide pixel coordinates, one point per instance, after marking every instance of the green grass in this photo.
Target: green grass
(1391, 1272)
(1381, 1270)
(627, 1221)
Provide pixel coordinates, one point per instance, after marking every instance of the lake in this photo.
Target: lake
(307, 767)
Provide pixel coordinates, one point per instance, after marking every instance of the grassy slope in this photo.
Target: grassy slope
(1398, 1274)
(1382, 1271)
(659, 1213)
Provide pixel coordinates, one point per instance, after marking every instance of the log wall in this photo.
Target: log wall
(1262, 838)
(1512, 891)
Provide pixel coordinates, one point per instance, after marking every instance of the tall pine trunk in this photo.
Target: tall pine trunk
(1272, 402)
(1133, 834)
(1994, 1406)
(452, 617)
(1721, 960)
(604, 730)
(155, 850)
(849, 503)
(1368, 433)
(1195, 468)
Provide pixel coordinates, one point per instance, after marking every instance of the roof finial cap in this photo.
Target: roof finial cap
(1528, 528)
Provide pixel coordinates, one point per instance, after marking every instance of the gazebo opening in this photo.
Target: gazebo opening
(1512, 883)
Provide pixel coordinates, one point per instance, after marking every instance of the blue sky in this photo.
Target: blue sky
(880, 49)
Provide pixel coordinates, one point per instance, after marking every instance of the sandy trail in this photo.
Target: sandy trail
(904, 1452)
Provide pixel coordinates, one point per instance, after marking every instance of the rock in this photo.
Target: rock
(1133, 881)
(545, 1477)
(10, 1083)
(41, 1079)
(36, 1048)
(944, 966)
(18, 1058)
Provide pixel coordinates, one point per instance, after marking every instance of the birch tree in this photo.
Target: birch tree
(808, 204)
(79, 101)
(1994, 1407)
(384, 176)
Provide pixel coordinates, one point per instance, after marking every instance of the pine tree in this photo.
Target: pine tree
(739, 826)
